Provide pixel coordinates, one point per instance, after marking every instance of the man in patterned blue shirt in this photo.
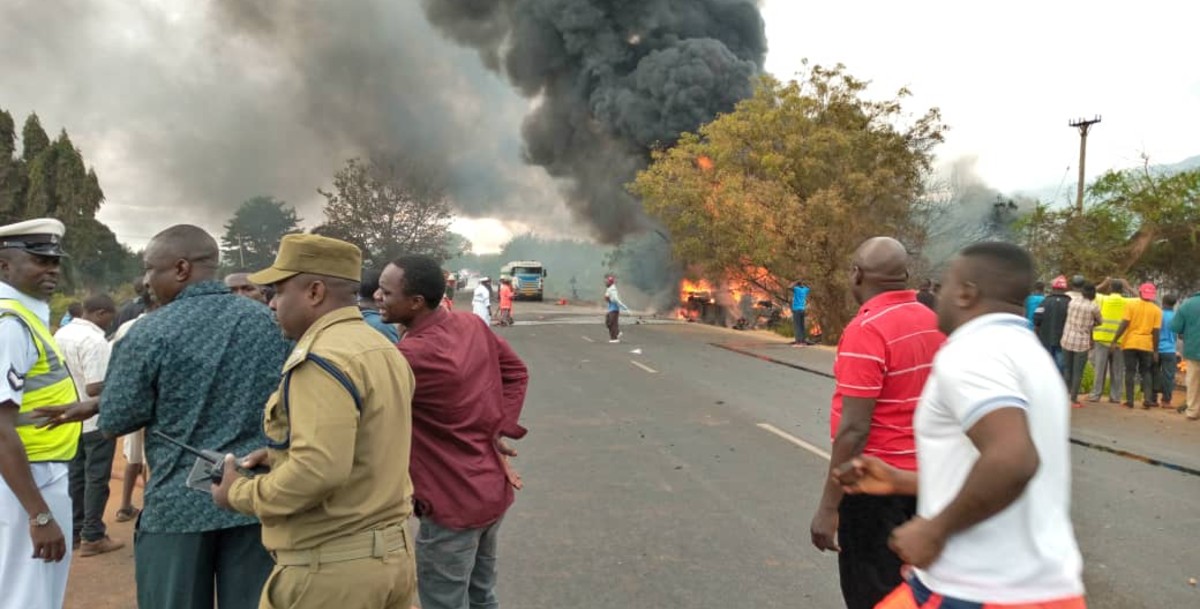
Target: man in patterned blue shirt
(199, 370)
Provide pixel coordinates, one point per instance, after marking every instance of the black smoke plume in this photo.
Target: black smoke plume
(611, 79)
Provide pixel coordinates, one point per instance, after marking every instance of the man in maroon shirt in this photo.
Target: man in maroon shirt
(470, 390)
(883, 361)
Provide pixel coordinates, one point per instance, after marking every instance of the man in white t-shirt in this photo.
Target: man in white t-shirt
(993, 482)
(86, 352)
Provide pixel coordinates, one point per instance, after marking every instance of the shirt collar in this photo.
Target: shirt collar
(203, 288)
(991, 319)
(888, 299)
(39, 307)
(79, 321)
(432, 318)
(334, 317)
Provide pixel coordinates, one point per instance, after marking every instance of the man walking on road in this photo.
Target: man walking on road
(469, 394)
(87, 353)
(199, 370)
(883, 359)
(481, 300)
(612, 299)
(1186, 325)
(800, 292)
(34, 495)
(336, 501)
(1138, 337)
(994, 478)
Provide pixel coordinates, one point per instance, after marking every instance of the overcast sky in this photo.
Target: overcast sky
(1008, 75)
(1007, 78)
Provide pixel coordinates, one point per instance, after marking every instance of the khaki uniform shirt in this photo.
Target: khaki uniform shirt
(343, 471)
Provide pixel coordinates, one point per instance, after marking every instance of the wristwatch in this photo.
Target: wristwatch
(42, 519)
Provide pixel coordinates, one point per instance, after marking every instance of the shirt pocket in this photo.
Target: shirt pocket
(276, 424)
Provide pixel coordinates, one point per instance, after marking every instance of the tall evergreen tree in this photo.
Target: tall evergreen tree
(33, 138)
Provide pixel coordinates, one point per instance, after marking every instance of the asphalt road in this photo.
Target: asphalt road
(656, 480)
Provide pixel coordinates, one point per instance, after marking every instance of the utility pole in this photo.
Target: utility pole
(1083, 125)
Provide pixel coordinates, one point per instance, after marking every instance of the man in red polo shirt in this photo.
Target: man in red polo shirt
(883, 360)
(470, 391)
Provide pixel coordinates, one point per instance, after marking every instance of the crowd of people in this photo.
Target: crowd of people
(336, 427)
(1130, 338)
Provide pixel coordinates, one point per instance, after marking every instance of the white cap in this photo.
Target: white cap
(42, 236)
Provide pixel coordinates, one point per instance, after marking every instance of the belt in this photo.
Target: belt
(368, 544)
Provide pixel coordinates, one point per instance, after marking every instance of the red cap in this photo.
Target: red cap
(1060, 283)
(1148, 291)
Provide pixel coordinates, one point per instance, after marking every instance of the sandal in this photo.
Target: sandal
(127, 514)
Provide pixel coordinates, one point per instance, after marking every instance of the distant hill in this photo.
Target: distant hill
(1066, 193)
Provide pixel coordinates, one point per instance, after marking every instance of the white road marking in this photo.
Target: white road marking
(587, 339)
(794, 440)
(644, 367)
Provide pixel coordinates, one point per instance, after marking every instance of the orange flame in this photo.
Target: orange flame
(705, 163)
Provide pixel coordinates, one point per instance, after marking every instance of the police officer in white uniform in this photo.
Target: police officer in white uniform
(35, 505)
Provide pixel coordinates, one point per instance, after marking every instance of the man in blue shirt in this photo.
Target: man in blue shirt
(1168, 360)
(200, 370)
(800, 291)
(370, 310)
(1034, 300)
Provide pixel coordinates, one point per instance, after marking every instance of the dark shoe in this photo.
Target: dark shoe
(1127, 405)
(75, 541)
(1148, 405)
(1181, 409)
(103, 545)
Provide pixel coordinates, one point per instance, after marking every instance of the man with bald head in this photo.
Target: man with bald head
(883, 360)
(199, 370)
(992, 427)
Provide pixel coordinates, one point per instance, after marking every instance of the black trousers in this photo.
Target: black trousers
(868, 567)
(90, 472)
(1139, 363)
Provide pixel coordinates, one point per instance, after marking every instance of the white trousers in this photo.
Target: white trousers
(26, 583)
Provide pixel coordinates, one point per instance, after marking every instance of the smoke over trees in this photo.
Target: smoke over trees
(612, 80)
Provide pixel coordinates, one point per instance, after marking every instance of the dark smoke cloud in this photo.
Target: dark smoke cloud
(612, 78)
(196, 106)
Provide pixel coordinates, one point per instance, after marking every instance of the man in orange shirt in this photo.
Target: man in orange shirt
(1138, 337)
(506, 300)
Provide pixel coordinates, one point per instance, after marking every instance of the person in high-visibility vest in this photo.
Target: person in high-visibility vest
(35, 502)
(1107, 360)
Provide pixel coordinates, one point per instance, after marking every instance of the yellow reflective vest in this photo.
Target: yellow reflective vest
(1112, 310)
(48, 383)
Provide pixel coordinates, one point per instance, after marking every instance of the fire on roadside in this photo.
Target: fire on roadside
(720, 302)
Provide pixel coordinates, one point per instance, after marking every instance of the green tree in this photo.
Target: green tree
(33, 138)
(788, 184)
(12, 173)
(389, 206)
(1142, 224)
(52, 179)
(252, 236)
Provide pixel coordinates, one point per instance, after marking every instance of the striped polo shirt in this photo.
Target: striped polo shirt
(886, 353)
